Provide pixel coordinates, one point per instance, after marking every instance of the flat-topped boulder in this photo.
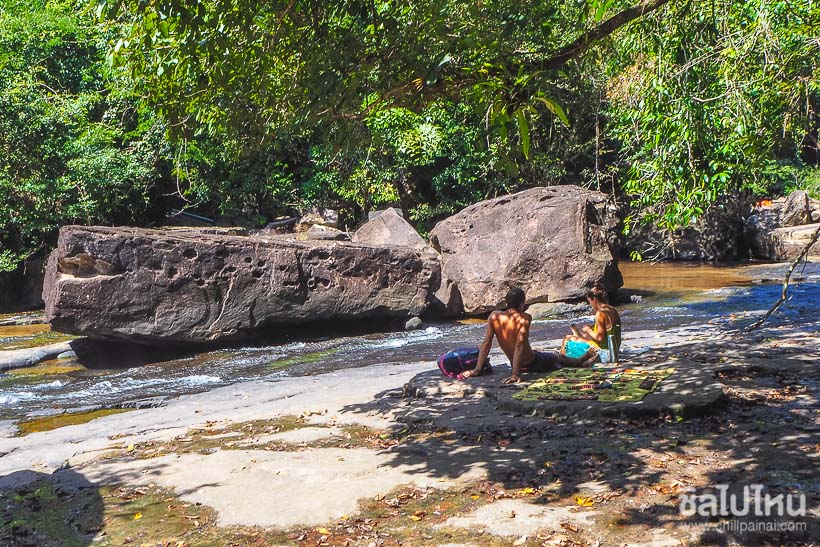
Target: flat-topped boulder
(786, 243)
(553, 242)
(187, 286)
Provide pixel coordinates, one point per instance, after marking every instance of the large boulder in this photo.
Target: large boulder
(388, 227)
(189, 287)
(553, 242)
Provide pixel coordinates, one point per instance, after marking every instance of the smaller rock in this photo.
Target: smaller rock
(787, 243)
(67, 355)
(28, 357)
(447, 299)
(541, 310)
(414, 323)
(390, 228)
(322, 217)
(319, 232)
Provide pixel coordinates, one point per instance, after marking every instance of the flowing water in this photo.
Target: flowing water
(673, 296)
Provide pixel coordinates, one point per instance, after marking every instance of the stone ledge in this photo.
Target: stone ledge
(692, 390)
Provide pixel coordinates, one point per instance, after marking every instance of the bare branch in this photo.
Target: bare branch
(784, 293)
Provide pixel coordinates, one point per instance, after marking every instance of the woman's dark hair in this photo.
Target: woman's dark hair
(515, 298)
(598, 291)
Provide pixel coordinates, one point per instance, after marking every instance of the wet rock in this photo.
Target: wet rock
(557, 309)
(28, 357)
(553, 242)
(189, 287)
(414, 323)
(29, 318)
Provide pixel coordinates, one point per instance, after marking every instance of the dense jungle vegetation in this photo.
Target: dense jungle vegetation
(118, 111)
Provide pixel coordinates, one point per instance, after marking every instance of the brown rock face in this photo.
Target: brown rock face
(189, 287)
(553, 242)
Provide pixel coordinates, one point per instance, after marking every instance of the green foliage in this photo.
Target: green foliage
(252, 68)
(247, 110)
(712, 98)
(65, 143)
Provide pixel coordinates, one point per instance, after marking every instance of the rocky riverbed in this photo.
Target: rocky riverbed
(361, 460)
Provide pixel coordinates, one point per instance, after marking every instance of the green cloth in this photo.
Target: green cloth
(604, 385)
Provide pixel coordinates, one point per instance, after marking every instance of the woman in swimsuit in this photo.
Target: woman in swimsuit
(607, 327)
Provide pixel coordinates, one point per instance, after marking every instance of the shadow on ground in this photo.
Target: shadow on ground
(767, 434)
(62, 509)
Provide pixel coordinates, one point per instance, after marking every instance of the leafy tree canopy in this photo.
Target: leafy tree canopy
(255, 68)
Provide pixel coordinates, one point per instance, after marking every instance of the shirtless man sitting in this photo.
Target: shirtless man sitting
(512, 328)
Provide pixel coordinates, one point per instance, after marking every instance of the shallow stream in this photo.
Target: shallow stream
(673, 296)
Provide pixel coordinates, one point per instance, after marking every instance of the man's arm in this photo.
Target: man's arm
(484, 351)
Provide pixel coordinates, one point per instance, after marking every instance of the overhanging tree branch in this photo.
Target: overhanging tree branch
(588, 39)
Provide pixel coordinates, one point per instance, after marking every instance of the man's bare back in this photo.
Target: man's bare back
(508, 327)
(512, 328)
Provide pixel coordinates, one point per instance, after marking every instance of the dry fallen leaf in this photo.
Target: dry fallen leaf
(584, 502)
(527, 491)
(323, 531)
(137, 516)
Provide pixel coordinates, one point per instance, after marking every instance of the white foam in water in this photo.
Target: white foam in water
(51, 385)
(107, 387)
(285, 348)
(14, 398)
(201, 380)
(430, 333)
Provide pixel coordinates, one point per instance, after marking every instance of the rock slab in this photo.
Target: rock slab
(191, 287)
(553, 242)
(780, 229)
